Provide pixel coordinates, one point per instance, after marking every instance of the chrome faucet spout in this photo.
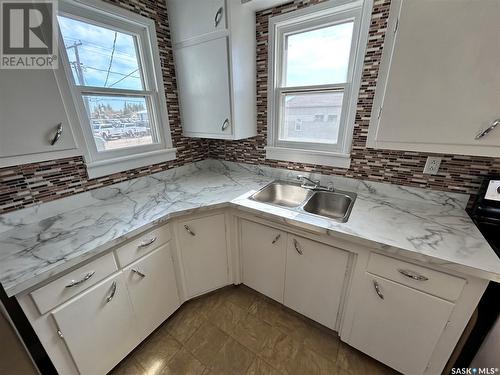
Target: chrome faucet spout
(314, 184)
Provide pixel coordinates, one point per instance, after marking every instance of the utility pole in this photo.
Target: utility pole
(79, 71)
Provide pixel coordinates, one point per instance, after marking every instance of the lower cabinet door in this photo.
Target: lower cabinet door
(203, 250)
(98, 326)
(398, 325)
(315, 279)
(153, 289)
(263, 252)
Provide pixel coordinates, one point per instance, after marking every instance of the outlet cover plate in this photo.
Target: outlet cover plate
(432, 165)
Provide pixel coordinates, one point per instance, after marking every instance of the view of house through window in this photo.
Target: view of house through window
(106, 68)
(315, 71)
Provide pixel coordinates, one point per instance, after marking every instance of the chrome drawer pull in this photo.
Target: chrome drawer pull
(276, 239)
(297, 247)
(225, 124)
(218, 16)
(138, 273)
(73, 283)
(57, 135)
(112, 294)
(413, 275)
(189, 230)
(149, 242)
(60, 334)
(377, 289)
(483, 132)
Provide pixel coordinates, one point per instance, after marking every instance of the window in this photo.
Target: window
(112, 59)
(316, 57)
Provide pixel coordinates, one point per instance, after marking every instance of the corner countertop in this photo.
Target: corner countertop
(38, 243)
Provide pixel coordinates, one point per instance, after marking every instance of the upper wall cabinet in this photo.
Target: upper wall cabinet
(34, 105)
(439, 81)
(214, 49)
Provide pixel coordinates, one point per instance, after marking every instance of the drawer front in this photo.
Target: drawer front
(142, 245)
(67, 286)
(421, 278)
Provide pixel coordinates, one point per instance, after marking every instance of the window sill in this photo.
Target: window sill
(309, 156)
(109, 166)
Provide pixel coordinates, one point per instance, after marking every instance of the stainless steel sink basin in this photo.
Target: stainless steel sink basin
(334, 205)
(282, 194)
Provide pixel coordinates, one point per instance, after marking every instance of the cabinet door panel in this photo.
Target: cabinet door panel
(153, 289)
(204, 253)
(314, 280)
(98, 333)
(31, 107)
(203, 78)
(400, 330)
(192, 18)
(263, 251)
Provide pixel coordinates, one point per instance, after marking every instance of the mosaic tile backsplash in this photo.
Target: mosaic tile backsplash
(26, 185)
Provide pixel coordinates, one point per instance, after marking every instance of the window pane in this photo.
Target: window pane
(101, 57)
(119, 122)
(311, 117)
(318, 57)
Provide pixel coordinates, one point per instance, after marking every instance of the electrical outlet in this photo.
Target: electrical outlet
(432, 165)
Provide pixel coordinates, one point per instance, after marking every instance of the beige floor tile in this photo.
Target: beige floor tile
(353, 362)
(129, 366)
(259, 367)
(184, 363)
(226, 316)
(251, 332)
(156, 351)
(322, 341)
(206, 342)
(232, 359)
(241, 296)
(309, 362)
(279, 349)
(266, 310)
(185, 322)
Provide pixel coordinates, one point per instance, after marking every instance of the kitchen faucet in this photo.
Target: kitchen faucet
(314, 184)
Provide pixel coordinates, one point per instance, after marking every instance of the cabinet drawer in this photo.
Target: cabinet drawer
(67, 286)
(142, 245)
(421, 278)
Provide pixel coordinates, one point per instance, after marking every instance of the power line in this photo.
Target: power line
(111, 59)
(121, 79)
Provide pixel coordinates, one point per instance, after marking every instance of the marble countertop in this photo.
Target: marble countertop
(429, 226)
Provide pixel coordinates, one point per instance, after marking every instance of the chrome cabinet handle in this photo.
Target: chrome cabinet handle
(377, 289)
(112, 294)
(276, 239)
(483, 132)
(413, 275)
(60, 334)
(57, 135)
(189, 230)
(297, 247)
(137, 272)
(218, 16)
(73, 283)
(225, 124)
(149, 242)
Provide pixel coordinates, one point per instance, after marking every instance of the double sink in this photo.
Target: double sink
(335, 205)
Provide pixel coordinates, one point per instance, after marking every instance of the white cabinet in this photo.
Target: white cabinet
(263, 252)
(192, 18)
(203, 253)
(214, 50)
(33, 104)
(398, 325)
(205, 65)
(98, 326)
(315, 279)
(153, 289)
(439, 85)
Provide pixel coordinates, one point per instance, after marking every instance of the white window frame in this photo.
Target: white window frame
(310, 18)
(143, 29)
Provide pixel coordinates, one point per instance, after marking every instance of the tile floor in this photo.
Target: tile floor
(237, 331)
